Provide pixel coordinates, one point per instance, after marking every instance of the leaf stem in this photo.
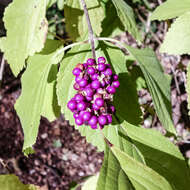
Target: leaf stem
(90, 30)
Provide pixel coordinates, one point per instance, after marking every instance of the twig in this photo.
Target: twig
(70, 46)
(90, 30)
(5, 166)
(2, 69)
(152, 33)
(176, 82)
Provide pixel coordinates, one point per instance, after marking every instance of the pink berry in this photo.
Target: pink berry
(99, 102)
(72, 105)
(94, 76)
(89, 98)
(83, 82)
(95, 84)
(102, 119)
(78, 121)
(94, 126)
(108, 72)
(76, 71)
(101, 60)
(116, 84)
(93, 121)
(101, 67)
(112, 108)
(91, 61)
(81, 106)
(111, 89)
(88, 91)
(79, 97)
(95, 107)
(76, 86)
(109, 118)
(86, 116)
(115, 77)
(91, 70)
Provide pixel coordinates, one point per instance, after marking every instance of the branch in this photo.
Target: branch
(2, 69)
(90, 30)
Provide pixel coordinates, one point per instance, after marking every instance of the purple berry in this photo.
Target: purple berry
(91, 61)
(95, 107)
(94, 126)
(101, 67)
(72, 105)
(102, 119)
(99, 102)
(93, 120)
(76, 71)
(78, 78)
(86, 116)
(115, 77)
(79, 121)
(111, 89)
(107, 81)
(116, 84)
(81, 106)
(94, 76)
(108, 72)
(101, 60)
(85, 65)
(75, 115)
(89, 98)
(83, 82)
(95, 84)
(112, 108)
(79, 97)
(109, 118)
(76, 86)
(88, 91)
(91, 70)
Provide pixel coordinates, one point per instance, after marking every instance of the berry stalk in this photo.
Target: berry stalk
(90, 30)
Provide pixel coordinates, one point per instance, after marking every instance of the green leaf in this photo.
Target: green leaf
(157, 82)
(91, 182)
(161, 155)
(65, 91)
(111, 25)
(51, 109)
(188, 86)
(177, 39)
(26, 27)
(171, 9)
(76, 24)
(60, 4)
(126, 15)
(143, 177)
(111, 175)
(50, 3)
(126, 99)
(12, 182)
(31, 103)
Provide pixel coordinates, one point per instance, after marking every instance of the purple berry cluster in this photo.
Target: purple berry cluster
(96, 85)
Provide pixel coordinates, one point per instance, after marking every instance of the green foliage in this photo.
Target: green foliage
(91, 182)
(12, 182)
(161, 155)
(25, 20)
(126, 15)
(76, 21)
(171, 9)
(31, 104)
(111, 175)
(177, 39)
(143, 176)
(157, 82)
